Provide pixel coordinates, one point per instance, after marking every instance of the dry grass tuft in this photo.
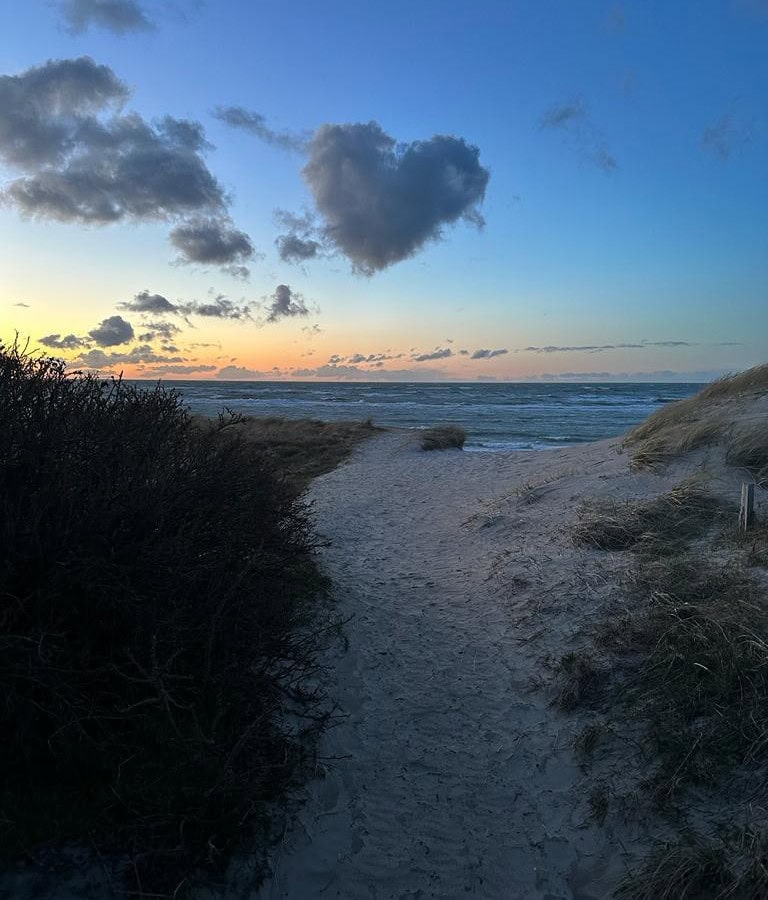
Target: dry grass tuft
(659, 525)
(747, 448)
(443, 437)
(734, 866)
(582, 681)
(589, 739)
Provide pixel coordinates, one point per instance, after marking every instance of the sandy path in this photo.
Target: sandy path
(455, 779)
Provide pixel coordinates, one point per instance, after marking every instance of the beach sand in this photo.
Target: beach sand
(452, 773)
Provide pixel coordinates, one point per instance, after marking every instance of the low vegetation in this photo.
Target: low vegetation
(159, 630)
(731, 866)
(695, 660)
(302, 449)
(682, 656)
(660, 525)
(707, 419)
(443, 437)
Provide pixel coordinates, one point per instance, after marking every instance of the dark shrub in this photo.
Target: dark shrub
(157, 624)
(443, 437)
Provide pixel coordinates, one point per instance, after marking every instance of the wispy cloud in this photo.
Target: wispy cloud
(572, 119)
(599, 348)
(256, 124)
(179, 369)
(142, 354)
(724, 136)
(243, 373)
(118, 16)
(68, 342)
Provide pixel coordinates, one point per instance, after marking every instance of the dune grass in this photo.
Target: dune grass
(159, 628)
(703, 420)
(302, 449)
(660, 525)
(734, 865)
(443, 437)
(695, 647)
(685, 658)
(688, 653)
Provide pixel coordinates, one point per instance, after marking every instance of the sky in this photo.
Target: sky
(408, 191)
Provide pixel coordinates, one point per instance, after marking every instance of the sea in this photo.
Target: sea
(496, 416)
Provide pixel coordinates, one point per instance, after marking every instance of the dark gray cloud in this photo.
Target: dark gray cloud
(44, 109)
(84, 161)
(572, 119)
(380, 201)
(299, 244)
(163, 330)
(255, 123)
(213, 241)
(68, 342)
(440, 353)
(488, 354)
(112, 331)
(285, 303)
(294, 249)
(119, 16)
(144, 302)
(219, 307)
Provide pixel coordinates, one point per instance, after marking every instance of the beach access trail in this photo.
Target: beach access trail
(452, 774)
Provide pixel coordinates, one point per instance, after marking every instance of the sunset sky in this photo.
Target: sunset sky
(401, 190)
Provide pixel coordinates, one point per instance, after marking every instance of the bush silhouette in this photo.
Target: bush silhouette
(158, 625)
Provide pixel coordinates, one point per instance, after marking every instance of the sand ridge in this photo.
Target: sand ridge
(452, 774)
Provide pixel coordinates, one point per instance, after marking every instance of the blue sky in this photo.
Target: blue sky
(626, 146)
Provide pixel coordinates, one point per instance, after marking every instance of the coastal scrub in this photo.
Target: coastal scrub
(159, 627)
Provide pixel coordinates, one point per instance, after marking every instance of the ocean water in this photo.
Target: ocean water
(495, 416)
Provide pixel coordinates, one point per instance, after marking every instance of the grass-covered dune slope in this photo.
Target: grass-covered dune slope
(672, 673)
(160, 618)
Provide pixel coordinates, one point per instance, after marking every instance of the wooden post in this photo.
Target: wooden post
(747, 510)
